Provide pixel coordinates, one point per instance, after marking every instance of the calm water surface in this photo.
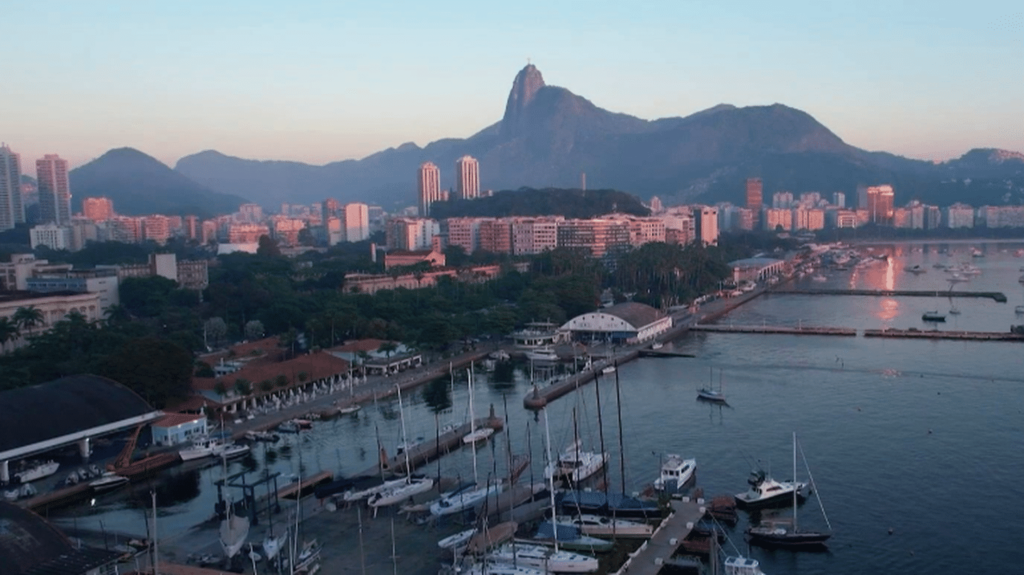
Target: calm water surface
(921, 437)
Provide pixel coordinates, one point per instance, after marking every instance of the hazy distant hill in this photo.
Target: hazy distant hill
(548, 136)
(139, 184)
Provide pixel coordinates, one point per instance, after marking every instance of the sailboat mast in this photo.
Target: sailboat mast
(472, 427)
(622, 449)
(576, 444)
(551, 478)
(795, 527)
(401, 414)
(600, 430)
(156, 549)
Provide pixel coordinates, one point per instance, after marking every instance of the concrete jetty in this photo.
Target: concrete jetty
(431, 449)
(650, 557)
(805, 330)
(540, 396)
(996, 296)
(930, 334)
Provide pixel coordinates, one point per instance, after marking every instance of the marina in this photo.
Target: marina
(994, 296)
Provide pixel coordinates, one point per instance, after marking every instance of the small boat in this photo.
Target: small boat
(541, 557)
(23, 491)
(457, 540)
(1019, 309)
(976, 253)
(233, 531)
(365, 487)
(788, 534)
(766, 491)
(568, 536)
(676, 472)
(608, 370)
(272, 545)
(201, 447)
(349, 410)
(262, 436)
(107, 482)
(657, 345)
(933, 316)
(542, 354)
(1021, 279)
(916, 270)
(492, 568)
(303, 423)
(575, 464)
(597, 526)
(231, 450)
(500, 355)
(739, 565)
(464, 499)
(709, 393)
(308, 559)
(819, 278)
(288, 427)
(37, 470)
(477, 435)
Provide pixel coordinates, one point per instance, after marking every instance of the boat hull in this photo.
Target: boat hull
(786, 539)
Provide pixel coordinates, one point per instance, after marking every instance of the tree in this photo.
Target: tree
(215, 329)
(220, 389)
(268, 247)
(387, 348)
(242, 386)
(117, 314)
(266, 385)
(254, 329)
(8, 332)
(158, 370)
(28, 317)
(281, 380)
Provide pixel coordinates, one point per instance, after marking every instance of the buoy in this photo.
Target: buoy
(890, 531)
(929, 432)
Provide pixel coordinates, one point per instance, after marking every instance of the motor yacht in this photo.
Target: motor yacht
(765, 491)
(676, 472)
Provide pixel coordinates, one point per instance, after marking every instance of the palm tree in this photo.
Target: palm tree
(28, 317)
(8, 332)
(117, 314)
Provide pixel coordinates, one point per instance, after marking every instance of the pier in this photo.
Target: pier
(996, 296)
(663, 353)
(540, 397)
(651, 556)
(430, 450)
(930, 334)
(844, 331)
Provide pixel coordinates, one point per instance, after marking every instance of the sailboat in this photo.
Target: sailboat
(711, 394)
(408, 488)
(575, 464)
(778, 534)
(233, 531)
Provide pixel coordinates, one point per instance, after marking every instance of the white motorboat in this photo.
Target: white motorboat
(575, 464)
(676, 472)
(1019, 309)
(546, 558)
(608, 370)
(107, 482)
(349, 410)
(739, 565)
(542, 354)
(23, 491)
(201, 447)
(464, 500)
(819, 278)
(598, 526)
(37, 470)
(230, 450)
(766, 491)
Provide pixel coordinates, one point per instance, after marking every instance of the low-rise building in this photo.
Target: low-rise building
(178, 428)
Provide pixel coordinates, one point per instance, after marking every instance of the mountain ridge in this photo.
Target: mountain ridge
(548, 137)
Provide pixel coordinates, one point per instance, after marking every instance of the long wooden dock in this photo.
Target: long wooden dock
(806, 330)
(432, 449)
(996, 296)
(650, 557)
(540, 396)
(935, 334)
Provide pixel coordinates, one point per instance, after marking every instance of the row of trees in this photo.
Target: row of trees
(158, 327)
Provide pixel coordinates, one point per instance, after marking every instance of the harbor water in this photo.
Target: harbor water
(913, 444)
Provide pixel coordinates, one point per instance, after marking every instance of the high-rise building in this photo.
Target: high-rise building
(782, 200)
(330, 208)
(356, 222)
(54, 190)
(252, 213)
(98, 209)
(755, 197)
(11, 209)
(429, 186)
(467, 178)
(880, 201)
(839, 200)
(706, 220)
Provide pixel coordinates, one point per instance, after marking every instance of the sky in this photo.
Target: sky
(323, 81)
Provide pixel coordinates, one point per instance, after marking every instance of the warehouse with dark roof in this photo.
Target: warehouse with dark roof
(30, 545)
(624, 323)
(66, 411)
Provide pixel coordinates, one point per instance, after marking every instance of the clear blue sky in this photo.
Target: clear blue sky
(322, 81)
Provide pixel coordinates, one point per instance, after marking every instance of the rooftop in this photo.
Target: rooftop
(29, 545)
(636, 314)
(175, 419)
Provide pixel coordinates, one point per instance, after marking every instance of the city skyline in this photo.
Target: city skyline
(173, 81)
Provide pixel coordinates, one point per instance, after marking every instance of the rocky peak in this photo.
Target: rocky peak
(526, 85)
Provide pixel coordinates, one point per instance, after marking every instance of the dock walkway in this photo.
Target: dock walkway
(996, 296)
(650, 558)
(432, 449)
(540, 396)
(845, 331)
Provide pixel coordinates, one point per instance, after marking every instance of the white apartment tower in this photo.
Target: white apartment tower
(356, 222)
(11, 210)
(467, 178)
(54, 190)
(429, 186)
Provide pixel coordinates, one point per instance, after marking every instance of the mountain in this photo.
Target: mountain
(548, 137)
(139, 184)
